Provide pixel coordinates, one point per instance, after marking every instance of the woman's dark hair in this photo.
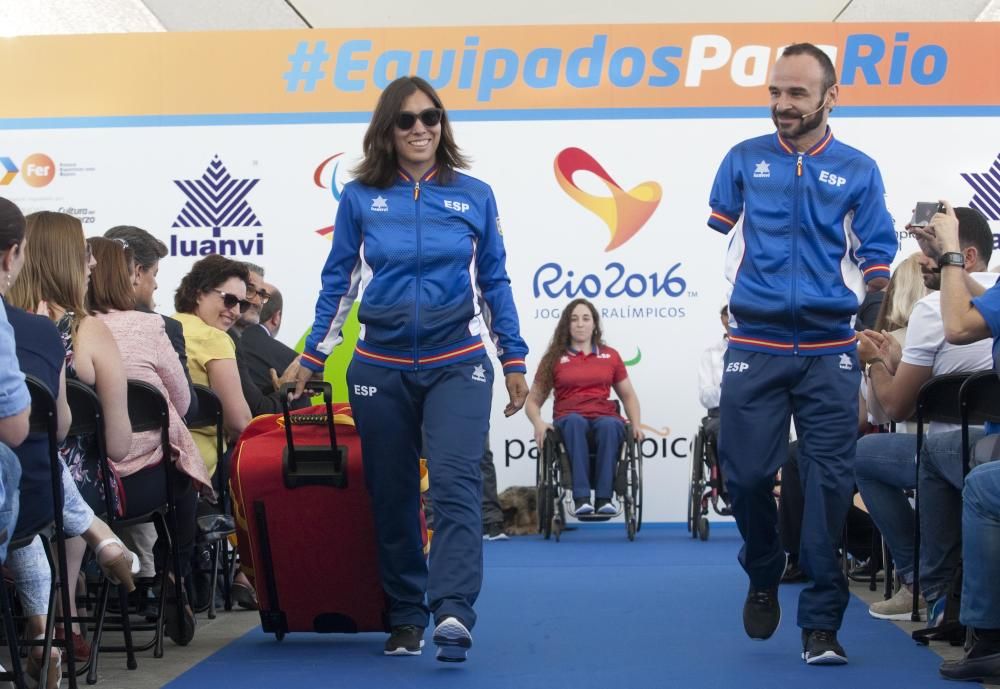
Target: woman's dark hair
(146, 248)
(379, 167)
(12, 224)
(561, 341)
(110, 280)
(206, 275)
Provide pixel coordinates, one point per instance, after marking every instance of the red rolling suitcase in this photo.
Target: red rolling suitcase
(304, 524)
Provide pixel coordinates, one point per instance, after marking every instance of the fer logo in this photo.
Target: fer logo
(319, 179)
(624, 212)
(38, 170)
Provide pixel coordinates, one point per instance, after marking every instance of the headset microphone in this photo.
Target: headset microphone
(810, 114)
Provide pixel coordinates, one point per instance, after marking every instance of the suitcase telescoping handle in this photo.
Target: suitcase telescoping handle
(313, 465)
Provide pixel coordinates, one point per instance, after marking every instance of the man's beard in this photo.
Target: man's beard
(801, 127)
(932, 281)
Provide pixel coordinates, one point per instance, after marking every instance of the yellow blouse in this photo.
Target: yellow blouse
(204, 344)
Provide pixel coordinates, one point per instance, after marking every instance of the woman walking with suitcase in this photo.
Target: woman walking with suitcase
(423, 242)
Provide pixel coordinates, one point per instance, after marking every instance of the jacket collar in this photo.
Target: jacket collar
(429, 175)
(823, 144)
(595, 350)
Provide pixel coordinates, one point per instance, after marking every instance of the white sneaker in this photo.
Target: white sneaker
(584, 509)
(899, 607)
(607, 508)
(453, 640)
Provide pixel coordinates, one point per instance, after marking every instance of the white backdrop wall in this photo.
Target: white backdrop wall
(108, 172)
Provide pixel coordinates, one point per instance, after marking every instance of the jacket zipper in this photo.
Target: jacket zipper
(795, 255)
(416, 297)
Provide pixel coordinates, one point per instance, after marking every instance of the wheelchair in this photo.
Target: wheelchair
(554, 485)
(707, 485)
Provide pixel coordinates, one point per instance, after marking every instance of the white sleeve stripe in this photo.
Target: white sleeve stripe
(333, 337)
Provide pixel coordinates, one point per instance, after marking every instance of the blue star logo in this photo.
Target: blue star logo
(216, 200)
(987, 187)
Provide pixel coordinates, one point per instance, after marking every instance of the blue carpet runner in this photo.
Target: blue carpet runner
(593, 611)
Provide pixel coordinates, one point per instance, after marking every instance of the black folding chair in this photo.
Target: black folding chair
(939, 400)
(88, 419)
(44, 420)
(980, 403)
(148, 411)
(210, 415)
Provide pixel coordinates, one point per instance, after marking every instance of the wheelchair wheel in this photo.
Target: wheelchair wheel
(545, 491)
(632, 490)
(703, 528)
(697, 490)
(638, 494)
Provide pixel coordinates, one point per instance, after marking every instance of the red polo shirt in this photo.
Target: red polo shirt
(582, 382)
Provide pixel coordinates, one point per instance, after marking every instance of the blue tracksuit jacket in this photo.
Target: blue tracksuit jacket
(429, 259)
(809, 231)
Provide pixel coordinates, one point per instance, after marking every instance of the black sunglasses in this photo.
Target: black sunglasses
(430, 117)
(231, 300)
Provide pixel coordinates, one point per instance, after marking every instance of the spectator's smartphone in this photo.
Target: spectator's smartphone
(923, 213)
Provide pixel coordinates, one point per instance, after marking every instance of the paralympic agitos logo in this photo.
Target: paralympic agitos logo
(325, 177)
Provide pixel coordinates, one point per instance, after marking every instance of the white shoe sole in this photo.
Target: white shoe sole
(900, 616)
(828, 658)
(453, 641)
(404, 652)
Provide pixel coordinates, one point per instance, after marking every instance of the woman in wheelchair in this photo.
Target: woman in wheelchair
(581, 370)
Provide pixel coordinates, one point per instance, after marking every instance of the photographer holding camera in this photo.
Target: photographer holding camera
(970, 310)
(884, 466)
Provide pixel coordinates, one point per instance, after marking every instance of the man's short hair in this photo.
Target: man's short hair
(146, 248)
(974, 230)
(829, 71)
(253, 267)
(273, 306)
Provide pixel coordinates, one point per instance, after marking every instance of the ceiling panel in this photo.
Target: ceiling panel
(912, 10)
(25, 18)
(327, 14)
(225, 15)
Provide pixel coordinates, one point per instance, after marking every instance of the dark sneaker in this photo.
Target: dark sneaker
(453, 640)
(820, 647)
(761, 613)
(604, 506)
(494, 532)
(582, 507)
(405, 640)
(863, 570)
(980, 664)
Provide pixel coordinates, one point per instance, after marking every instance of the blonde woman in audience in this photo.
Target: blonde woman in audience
(906, 288)
(53, 280)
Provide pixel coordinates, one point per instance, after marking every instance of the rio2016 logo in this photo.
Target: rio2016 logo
(624, 213)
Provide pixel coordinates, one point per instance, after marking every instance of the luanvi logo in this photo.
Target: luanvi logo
(216, 200)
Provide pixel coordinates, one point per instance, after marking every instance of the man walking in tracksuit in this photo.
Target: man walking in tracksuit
(809, 234)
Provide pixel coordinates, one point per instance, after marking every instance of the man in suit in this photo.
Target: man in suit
(261, 353)
(256, 358)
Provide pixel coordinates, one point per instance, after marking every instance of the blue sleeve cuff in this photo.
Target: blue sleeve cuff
(313, 360)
